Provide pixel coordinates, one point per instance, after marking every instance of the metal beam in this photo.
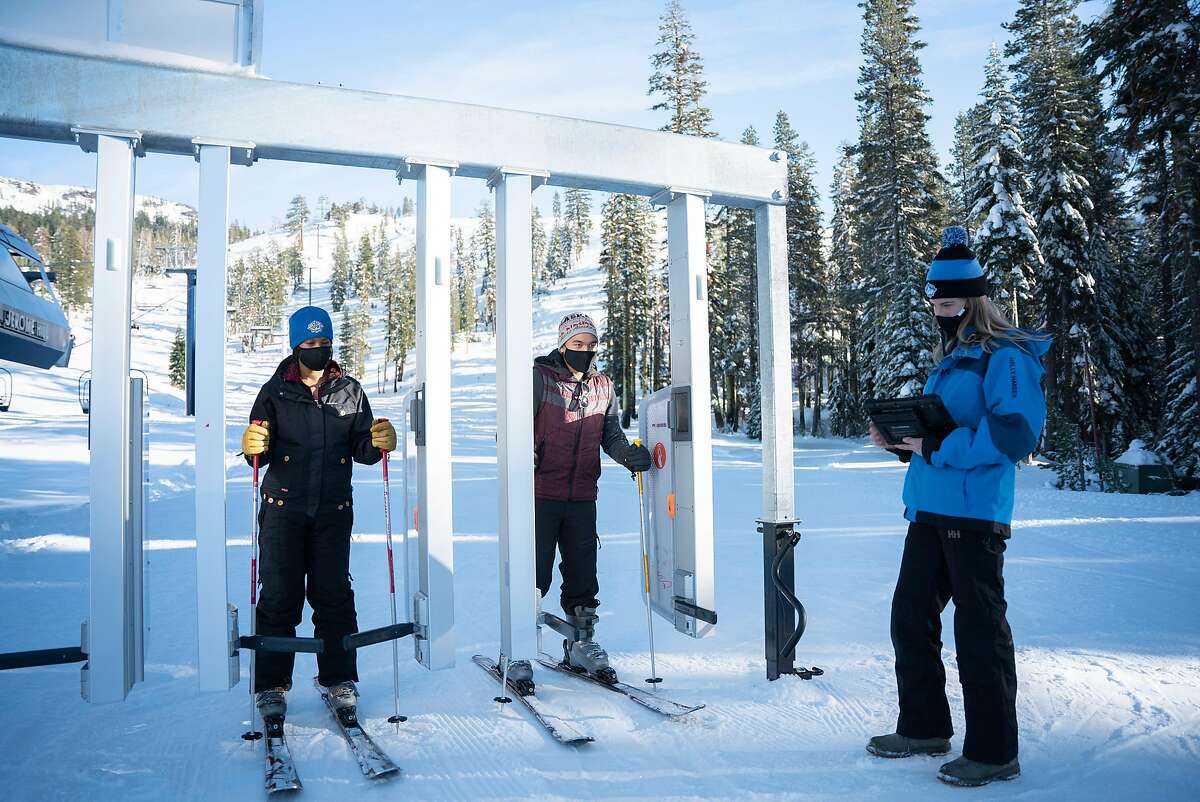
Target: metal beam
(514, 412)
(434, 486)
(775, 364)
(688, 278)
(218, 669)
(44, 93)
(108, 629)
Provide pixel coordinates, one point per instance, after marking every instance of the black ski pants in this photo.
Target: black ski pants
(302, 555)
(966, 566)
(569, 526)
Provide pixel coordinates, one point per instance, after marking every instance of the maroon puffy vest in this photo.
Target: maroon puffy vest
(567, 431)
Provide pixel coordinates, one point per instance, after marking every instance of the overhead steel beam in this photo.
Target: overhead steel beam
(45, 93)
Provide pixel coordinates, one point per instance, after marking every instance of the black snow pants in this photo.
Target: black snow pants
(966, 566)
(569, 526)
(295, 547)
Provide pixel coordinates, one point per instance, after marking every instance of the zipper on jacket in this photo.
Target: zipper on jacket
(575, 450)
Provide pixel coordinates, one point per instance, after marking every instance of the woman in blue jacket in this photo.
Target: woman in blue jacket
(958, 499)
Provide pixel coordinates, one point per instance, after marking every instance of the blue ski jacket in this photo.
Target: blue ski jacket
(965, 480)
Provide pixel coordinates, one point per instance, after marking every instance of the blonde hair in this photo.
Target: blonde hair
(991, 325)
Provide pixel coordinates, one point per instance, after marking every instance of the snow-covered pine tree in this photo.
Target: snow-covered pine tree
(297, 217)
(1149, 52)
(402, 311)
(1005, 233)
(813, 325)
(902, 200)
(558, 253)
(846, 391)
(1046, 46)
(627, 256)
(339, 278)
(177, 368)
(538, 249)
(464, 298)
(364, 268)
(347, 343)
(483, 246)
(578, 221)
(962, 159)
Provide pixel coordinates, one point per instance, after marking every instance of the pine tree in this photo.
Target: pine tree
(1149, 52)
(626, 256)
(558, 248)
(578, 222)
(177, 371)
(901, 204)
(465, 273)
(678, 76)
(967, 127)
(1005, 233)
(297, 217)
(813, 325)
(538, 249)
(364, 268)
(339, 279)
(847, 387)
(348, 343)
(483, 246)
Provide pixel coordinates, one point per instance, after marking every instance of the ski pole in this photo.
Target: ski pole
(252, 734)
(653, 679)
(396, 718)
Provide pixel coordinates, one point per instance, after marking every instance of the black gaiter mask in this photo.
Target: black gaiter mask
(579, 361)
(948, 325)
(315, 358)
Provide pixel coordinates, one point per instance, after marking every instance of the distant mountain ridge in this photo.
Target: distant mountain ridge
(31, 197)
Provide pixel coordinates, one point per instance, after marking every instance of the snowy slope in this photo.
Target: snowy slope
(28, 196)
(1103, 594)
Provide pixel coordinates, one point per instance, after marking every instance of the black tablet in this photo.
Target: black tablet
(898, 418)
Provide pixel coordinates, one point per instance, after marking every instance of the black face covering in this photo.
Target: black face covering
(579, 361)
(948, 325)
(315, 358)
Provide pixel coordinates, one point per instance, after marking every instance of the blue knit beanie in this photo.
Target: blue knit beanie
(308, 322)
(955, 272)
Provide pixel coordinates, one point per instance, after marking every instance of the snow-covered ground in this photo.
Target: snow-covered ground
(1103, 593)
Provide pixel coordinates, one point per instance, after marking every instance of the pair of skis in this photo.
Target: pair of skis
(559, 726)
(281, 772)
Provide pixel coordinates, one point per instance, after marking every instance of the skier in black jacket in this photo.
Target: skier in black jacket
(316, 421)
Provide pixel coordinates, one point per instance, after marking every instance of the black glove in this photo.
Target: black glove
(636, 458)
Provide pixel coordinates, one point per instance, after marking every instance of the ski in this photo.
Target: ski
(557, 726)
(650, 701)
(281, 771)
(373, 761)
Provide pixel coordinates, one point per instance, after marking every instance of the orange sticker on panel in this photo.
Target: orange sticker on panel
(660, 456)
(670, 505)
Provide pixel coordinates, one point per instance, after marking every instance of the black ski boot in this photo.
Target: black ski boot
(584, 655)
(520, 676)
(272, 706)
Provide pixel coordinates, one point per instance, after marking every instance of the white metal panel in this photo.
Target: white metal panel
(688, 277)
(658, 505)
(774, 363)
(108, 625)
(217, 667)
(42, 95)
(514, 405)
(434, 485)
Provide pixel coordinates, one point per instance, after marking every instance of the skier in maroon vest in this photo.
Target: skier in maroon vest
(576, 413)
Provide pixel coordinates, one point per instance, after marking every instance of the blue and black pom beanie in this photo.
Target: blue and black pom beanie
(955, 272)
(308, 322)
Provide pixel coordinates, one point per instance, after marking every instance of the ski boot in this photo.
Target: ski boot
(972, 773)
(343, 696)
(897, 745)
(584, 655)
(272, 706)
(520, 676)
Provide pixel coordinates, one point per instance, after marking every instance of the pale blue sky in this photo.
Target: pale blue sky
(585, 59)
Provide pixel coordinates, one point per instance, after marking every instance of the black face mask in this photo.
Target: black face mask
(948, 325)
(579, 361)
(315, 358)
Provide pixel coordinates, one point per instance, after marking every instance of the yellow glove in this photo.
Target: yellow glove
(383, 434)
(255, 439)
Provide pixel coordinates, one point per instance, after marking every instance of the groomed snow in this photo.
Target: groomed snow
(1103, 593)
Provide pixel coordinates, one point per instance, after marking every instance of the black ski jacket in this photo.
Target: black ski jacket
(312, 441)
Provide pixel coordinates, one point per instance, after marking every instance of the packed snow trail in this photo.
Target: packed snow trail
(1103, 592)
